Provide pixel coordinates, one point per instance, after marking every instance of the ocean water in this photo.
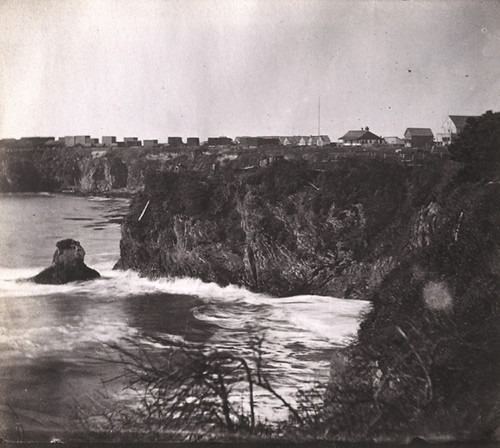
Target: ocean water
(55, 355)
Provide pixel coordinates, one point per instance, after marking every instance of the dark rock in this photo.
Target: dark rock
(67, 265)
(273, 230)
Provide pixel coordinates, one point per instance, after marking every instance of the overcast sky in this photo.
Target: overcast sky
(159, 68)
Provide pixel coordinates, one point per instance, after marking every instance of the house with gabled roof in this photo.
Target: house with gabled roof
(453, 127)
(318, 140)
(419, 138)
(302, 140)
(363, 137)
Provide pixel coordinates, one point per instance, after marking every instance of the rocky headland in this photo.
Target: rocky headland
(421, 243)
(283, 230)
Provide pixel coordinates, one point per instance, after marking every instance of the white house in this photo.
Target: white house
(452, 128)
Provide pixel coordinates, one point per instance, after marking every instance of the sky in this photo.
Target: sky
(159, 68)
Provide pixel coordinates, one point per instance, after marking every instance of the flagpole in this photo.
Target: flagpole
(319, 116)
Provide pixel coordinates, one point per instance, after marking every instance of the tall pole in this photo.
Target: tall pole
(319, 116)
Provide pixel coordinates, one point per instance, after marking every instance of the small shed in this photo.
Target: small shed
(83, 140)
(219, 141)
(193, 141)
(150, 143)
(109, 140)
(132, 141)
(175, 141)
(69, 140)
(247, 142)
(394, 141)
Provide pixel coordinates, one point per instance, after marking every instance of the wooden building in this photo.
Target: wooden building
(318, 140)
(394, 141)
(419, 138)
(175, 141)
(132, 141)
(452, 128)
(363, 137)
(193, 141)
(109, 140)
(150, 143)
(219, 141)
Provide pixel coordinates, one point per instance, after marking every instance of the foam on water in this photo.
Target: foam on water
(231, 307)
(56, 332)
(299, 332)
(15, 283)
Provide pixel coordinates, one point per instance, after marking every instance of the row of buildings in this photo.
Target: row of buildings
(296, 140)
(413, 138)
(86, 141)
(111, 141)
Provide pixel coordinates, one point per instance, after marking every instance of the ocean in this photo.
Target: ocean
(58, 343)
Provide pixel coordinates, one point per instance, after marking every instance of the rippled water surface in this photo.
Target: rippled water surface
(54, 340)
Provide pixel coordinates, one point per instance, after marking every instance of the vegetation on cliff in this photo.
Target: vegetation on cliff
(81, 170)
(427, 360)
(422, 243)
(285, 229)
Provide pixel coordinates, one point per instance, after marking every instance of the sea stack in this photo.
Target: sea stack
(67, 265)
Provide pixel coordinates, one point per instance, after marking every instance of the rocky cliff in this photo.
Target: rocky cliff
(421, 243)
(89, 170)
(285, 229)
(426, 363)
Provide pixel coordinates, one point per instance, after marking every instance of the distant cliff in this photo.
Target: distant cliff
(109, 170)
(91, 170)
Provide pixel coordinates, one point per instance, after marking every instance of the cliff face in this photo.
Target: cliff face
(84, 170)
(427, 359)
(421, 243)
(58, 169)
(283, 230)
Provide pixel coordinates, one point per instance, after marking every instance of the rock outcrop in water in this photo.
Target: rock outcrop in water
(67, 265)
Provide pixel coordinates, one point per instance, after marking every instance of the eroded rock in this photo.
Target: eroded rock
(67, 265)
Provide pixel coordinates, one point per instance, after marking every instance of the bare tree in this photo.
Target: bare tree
(188, 389)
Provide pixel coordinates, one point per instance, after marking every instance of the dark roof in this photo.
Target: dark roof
(353, 135)
(247, 141)
(219, 141)
(420, 132)
(175, 141)
(460, 121)
(360, 135)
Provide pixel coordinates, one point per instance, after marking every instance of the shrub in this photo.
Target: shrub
(477, 147)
